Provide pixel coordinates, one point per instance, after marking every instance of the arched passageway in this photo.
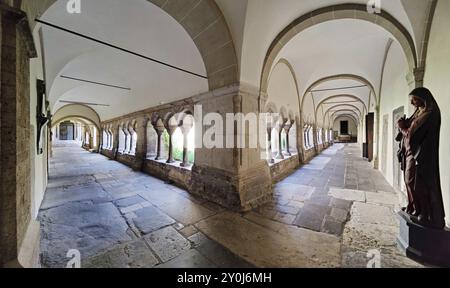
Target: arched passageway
(114, 111)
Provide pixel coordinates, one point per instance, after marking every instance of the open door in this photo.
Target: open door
(370, 127)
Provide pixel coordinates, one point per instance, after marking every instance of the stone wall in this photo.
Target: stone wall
(15, 197)
(282, 169)
(234, 178)
(172, 173)
(308, 155)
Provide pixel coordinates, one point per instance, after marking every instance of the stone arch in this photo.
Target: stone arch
(343, 95)
(202, 21)
(343, 105)
(336, 12)
(82, 119)
(77, 111)
(348, 112)
(271, 108)
(342, 77)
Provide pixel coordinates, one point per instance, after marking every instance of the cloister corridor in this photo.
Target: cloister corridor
(329, 213)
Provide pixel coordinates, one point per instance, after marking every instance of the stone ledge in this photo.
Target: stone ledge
(283, 168)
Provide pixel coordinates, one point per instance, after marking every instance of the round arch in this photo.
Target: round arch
(342, 95)
(343, 105)
(336, 12)
(353, 112)
(360, 79)
(353, 77)
(77, 111)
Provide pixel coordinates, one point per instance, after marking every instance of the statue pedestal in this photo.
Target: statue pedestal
(422, 244)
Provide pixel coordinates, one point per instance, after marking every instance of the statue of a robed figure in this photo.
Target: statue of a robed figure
(419, 157)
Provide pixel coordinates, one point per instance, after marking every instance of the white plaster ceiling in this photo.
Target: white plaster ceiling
(135, 25)
(338, 47)
(267, 18)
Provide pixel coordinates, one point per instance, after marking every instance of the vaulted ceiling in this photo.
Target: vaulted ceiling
(138, 26)
(336, 47)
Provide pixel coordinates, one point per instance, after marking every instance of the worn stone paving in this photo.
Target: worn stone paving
(120, 218)
(339, 193)
(329, 213)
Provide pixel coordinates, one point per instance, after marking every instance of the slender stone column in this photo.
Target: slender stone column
(141, 146)
(269, 146)
(159, 144)
(115, 131)
(185, 162)
(287, 128)
(280, 148)
(170, 159)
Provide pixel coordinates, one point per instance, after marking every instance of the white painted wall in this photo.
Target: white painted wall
(437, 80)
(394, 94)
(352, 128)
(282, 90)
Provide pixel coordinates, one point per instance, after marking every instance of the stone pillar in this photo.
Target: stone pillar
(185, 131)
(141, 145)
(300, 139)
(236, 178)
(115, 149)
(287, 128)
(170, 130)
(159, 144)
(19, 241)
(315, 140)
(269, 146)
(280, 133)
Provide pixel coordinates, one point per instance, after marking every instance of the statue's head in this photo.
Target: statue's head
(421, 97)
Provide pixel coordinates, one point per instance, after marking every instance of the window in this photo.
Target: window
(152, 141)
(283, 141)
(111, 140)
(305, 137)
(274, 143)
(133, 139)
(105, 140)
(178, 142)
(310, 137)
(87, 139)
(122, 140)
(293, 139)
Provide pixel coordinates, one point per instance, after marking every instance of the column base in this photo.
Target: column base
(29, 252)
(425, 245)
(237, 192)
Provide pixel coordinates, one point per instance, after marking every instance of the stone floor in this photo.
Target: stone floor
(330, 213)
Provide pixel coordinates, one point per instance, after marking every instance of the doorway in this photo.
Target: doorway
(66, 131)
